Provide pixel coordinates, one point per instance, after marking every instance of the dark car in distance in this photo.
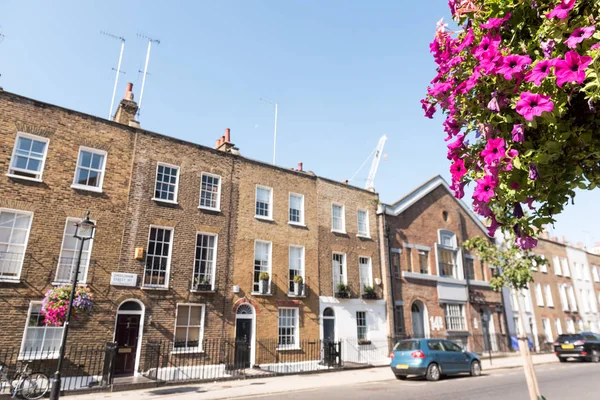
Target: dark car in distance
(583, 345)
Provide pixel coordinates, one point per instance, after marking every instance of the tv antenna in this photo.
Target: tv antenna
(274, 129)
(150, 41)
(112, 101)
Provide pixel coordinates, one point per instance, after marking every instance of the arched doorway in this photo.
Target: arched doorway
(245, 324)
(129, 326)
(418, 319)
(328, 325)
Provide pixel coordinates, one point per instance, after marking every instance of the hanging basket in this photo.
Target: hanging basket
(56, 302)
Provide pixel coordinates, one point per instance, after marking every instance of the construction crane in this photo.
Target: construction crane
(377, 153)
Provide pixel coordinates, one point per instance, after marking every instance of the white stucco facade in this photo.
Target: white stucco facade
(584, 290)
(513, 301)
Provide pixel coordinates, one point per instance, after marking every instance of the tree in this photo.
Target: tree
(519, 86)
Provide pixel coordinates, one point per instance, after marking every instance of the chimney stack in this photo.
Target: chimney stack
(127, 108)
(224, 143)
(227, 135)
(300, 166)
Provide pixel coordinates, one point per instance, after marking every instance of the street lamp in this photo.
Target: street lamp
(84, 230)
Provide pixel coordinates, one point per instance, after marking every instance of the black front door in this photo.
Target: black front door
(330, 347)
(243, 342)
(128, 328)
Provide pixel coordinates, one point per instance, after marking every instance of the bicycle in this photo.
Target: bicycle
(29, 385)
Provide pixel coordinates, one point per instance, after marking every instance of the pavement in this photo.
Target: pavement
(288, 384)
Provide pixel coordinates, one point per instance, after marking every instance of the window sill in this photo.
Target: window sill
(6, 280)
(263, 218)
(202, 291)
(154, 287)
(363, 342)
(297, 224)
(37, 356)
(292, 295)
(258, 294)
(338, 231)
(25, 178)
(87, 188)
(174, 352)
(59, 283)
(164, 201)
(209, 209)
(288, 348)
(363, 236)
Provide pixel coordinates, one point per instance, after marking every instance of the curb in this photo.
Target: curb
(519, 366)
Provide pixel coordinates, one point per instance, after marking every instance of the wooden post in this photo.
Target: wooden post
(530, 377)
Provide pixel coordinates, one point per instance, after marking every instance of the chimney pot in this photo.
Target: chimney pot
(300, 166)
(346, 182)
(228, 135)
(218, 142)
(129, 92)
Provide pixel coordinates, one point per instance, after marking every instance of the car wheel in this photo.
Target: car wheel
(401, 377)
(595, 356)
(562, 359)
(433, 373)
(475, 368)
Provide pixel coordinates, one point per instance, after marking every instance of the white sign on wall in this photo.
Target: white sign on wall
(123, 279)
(436, 323)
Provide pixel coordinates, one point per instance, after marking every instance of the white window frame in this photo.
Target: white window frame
(301, 196)
(472, 259)
(175, 194)
(539, 296)
(344, 265)
(527, 302)
(558, 326)
(572, 299)
(595, 273)
(570, 325)
(12, 169)
(365, 326)
(268, 217)
(514, 300)
(565, 267)
(517, 322)
(543, 266)
(218, 194)
(333, 229)
(101, 171)
(214, 258)
(296, 335)
(17, 278)
(547, 330)
(301, 273)
(548, 293)
(85, 265)
(369, 266)
(269, 266)
(453, 248)
(564, 299)
(199, 348)
(37, 354)
(367, 233)
(168, 270)
(455, 322)
(557, 267)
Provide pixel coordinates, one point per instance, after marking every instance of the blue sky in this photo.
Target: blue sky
(343, 72)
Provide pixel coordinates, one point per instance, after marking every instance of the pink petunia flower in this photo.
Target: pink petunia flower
(490, 61)
(511, 154)
(539, 72)
(438, 88)
(533, 105)
(494, 152)
(561, 11)
(458, 170)
(526, 243)
(484, 191)
(428, 108)
(488, 43)
(579, 35)
(518, 133)
(595, 46)
(459, 189)
(482, 208)
(494, 225)
(494, 23)
(513, 65)
(467, 41)
(571, 69)
(454, 147)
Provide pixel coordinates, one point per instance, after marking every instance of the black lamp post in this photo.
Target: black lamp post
(84, 231)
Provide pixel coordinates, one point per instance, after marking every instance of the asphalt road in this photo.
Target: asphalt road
(573, 380)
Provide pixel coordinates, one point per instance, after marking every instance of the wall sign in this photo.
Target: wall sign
(123, 279)
(436, 323)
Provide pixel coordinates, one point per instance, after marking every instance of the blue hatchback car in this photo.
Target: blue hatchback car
(432, 358)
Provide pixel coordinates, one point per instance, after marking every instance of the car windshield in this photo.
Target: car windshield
(407, 345)
(562, 338)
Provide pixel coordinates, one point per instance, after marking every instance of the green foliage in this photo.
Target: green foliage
(298, 279)
(264, 276)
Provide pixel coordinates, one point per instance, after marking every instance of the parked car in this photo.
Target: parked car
(432, 358)
(584, 345)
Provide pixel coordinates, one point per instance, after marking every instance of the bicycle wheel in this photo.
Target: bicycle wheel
(34, 386)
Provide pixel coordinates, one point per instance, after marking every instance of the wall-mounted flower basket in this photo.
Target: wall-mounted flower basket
(56, 302)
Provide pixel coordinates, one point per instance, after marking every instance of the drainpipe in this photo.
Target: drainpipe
(386, 232)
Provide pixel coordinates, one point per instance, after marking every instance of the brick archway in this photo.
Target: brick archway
(245, 300)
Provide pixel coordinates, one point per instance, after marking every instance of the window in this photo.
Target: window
(547, 330)
(167, 179)
(338, 223)
(205, 260)
(517, 323)
(67, 262)
(558, 326)
(435, 345)
(409, 264)
(565, 267)
(264, 200)
(361, 325)
(396, 263)
(189, 325)
(549, 299)
(544, 269)
(527, 301)
(455, 317)
(449, 346)
(262, 262)
(578, 271)
(424, 261)
(90, 169)
(40, 341)
(210, 192)
(469, 267)
(584, 300)
(363, 223)
(399, 319)
(572, 300)
(579, 325)
(296, 209)
(556, 263)
(447, 254)
(296, 264)
(570, 325)
(514, 301)
(28, 157)
(339, 269)
(538, 295)
(591, 301)
(14, 233)
(482, 269)
(158, 257)
(288, 327)
(595, 273)
(366, 275)
(562, 291)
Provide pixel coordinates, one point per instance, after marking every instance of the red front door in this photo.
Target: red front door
(128, 328)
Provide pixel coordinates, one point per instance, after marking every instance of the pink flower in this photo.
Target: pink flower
(579, 35)
(490, 60)
(526, 243)
(529, 203)
(533, 104)
(467, 41)
(513, 65)
(454, 147)
(451, 127)
(458, 170)
(571, 69)
(484, 190)
(561, 11)
(439, 87)
(488, 42)
(482, 208)
(494, 225)
(494, 151)
(512, 153)
(539, 72)
(494, 23)
(466, 86)
(428, 108)
(595, 46)
(458, 189)
(518, 133)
